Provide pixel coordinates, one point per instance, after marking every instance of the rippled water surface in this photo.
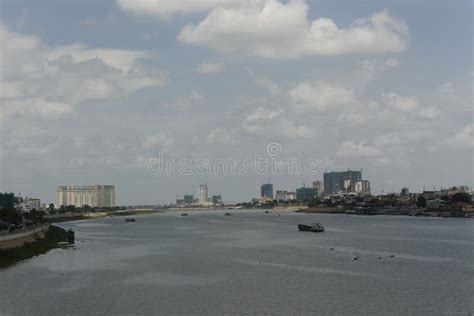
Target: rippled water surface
(250, 263)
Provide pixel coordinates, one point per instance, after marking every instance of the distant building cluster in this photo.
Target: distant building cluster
(27, 204)
(202, 199)
(349, 181)
(79, 196)
(285, 195)
(335, 183)
(23, 204)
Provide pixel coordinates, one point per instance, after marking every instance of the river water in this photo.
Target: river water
(250, 263)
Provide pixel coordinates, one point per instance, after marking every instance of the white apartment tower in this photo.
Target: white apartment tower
(93, 195)
(203, 194)
(362, 186)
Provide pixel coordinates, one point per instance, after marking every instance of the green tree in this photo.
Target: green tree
(461, 197)
(421, 201)
(71, 209)
(62, 209)
(314, 202)
(34, 216)
(11, 216)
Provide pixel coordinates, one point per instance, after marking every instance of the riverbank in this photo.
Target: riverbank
(19, 237)
(95, 215)
(392, 211)
(325, 210)
(28, 250)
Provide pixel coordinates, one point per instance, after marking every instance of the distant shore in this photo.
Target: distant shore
(392, 211)
(95, 215)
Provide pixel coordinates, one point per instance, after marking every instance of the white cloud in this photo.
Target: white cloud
(276, 123)
(116, 58)
(429, 112)
(293, 130)
(36, 108)
(374, 66)
(399, 102)
(42, 80)
(463, 138)
(282, 30)
(259, 118)
(157, 140)
(29, 141)
(388, 140)
(208, 68)
(352, 117)
(271, 86)
(166, 9)
(351, 149)
(218, 135)
(320, 96)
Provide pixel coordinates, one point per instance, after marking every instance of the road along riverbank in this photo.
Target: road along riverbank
(30, 245)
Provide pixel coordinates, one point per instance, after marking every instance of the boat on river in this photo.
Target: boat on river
(130, 220)
(315, 228)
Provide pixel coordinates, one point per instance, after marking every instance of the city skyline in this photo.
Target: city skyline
(379, 86)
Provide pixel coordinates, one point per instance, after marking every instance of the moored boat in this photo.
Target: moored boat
(315, 227)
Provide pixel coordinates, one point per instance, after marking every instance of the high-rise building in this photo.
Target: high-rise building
(216, 199)
(266, 190)
(335, 182)
(281, 195)
(362, 186)
(285, 195)
(92, 195)
(203, 194)
(318, 185)
(188, 198)
(306, 194)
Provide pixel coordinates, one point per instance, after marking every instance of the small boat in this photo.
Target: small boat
(130, 220)
(184, 214)
(315, 228)
(227, 214)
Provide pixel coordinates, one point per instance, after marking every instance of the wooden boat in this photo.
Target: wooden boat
(315, 228)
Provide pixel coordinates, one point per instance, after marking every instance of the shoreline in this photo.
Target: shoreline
(97, 215)
(52, 237)
(447, 213)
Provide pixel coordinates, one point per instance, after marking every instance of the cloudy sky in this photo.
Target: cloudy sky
(92, 90)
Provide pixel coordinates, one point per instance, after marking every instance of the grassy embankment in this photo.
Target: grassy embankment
(30, 249)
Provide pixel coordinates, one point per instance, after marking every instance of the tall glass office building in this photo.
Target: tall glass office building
(335, 182)
(266, 190)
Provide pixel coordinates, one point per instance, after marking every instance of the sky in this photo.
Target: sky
(150, 95)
